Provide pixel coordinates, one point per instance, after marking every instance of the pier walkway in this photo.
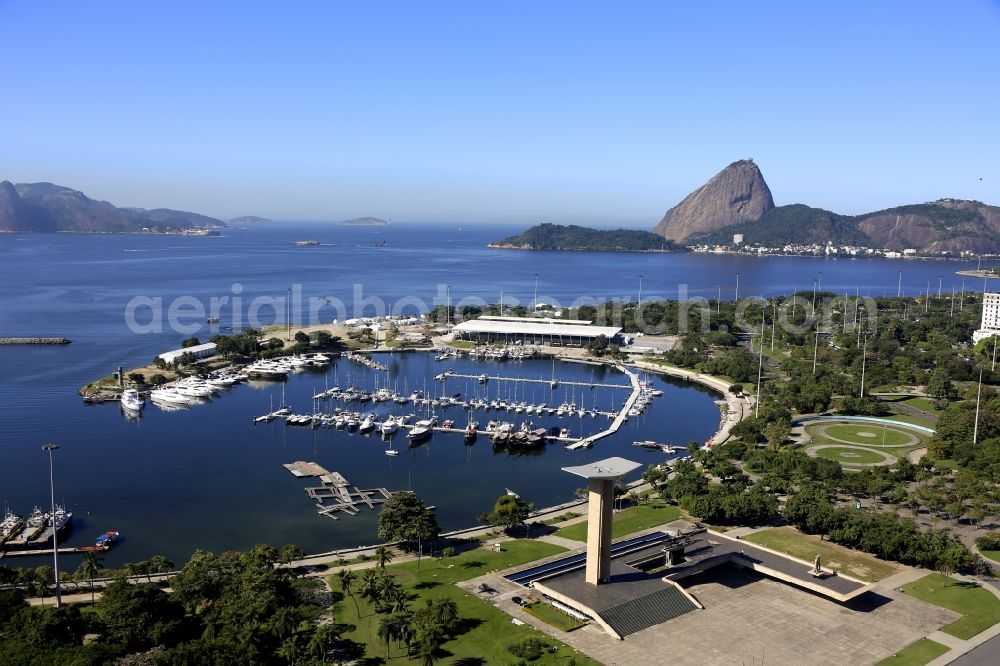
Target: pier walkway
(622, 417)
(448, 374)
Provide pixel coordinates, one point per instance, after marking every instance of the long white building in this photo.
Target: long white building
(533, 330)
(198, 351)
(990, 324)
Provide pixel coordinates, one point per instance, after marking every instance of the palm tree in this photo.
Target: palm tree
(388, 631)
(89, 568)
(398, 599)
(383, 556)
(40, 582)
(445, 612)
(320, 641)
(346, 578)
(371, 586)
(160, 564)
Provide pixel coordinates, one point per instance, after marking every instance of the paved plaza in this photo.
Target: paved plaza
(748, 617)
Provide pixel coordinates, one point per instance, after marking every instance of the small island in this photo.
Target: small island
(250, 219)
(364, 222)
(572, 237)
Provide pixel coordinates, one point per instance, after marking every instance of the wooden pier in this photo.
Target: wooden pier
(337, 490)
(636, 387)
(301, 469)
(448, 374)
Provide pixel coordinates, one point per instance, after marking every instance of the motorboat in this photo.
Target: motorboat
(389, 426)
(170, 396)
(132, 401)
(367, 424)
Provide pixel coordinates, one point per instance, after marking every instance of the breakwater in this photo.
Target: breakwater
(34, 341)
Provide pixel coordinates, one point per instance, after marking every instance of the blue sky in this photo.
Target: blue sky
(598, 113)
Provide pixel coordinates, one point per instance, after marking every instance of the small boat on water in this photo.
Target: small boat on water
(390, 426)
(422, 429)
(132, 401)
(10, 525)
(368, 424)
(471, 431)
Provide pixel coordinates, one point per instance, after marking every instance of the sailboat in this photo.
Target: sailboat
(391, 451)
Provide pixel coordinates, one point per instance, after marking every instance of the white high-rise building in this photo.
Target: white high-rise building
(990, 324)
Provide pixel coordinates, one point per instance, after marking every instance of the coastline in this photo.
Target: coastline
(978, 274)
(499, 246)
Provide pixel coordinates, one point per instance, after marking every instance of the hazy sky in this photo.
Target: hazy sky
(559, 111)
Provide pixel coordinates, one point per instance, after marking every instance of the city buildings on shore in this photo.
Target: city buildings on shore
(990, 324)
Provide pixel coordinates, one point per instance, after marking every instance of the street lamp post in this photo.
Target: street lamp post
(534, 302)
(760, 368)
(50, 447)
(864, 360)
(979, 393)
(738, 288)
(899, 285)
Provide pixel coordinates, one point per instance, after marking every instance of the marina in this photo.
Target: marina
(151, 454)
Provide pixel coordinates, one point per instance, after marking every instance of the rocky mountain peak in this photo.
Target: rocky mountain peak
(735, 195)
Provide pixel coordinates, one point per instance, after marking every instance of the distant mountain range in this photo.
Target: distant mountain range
(737, 200)
(44, 207)
(572, 237)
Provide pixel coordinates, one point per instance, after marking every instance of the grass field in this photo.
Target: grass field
(629, 520)
(868, 433)
(991, 554)
(915, 420)
(925, 404)
(851, 455)
(806, 547)
(485, 631)
(551, 615)
(980, 609)
(915, 654)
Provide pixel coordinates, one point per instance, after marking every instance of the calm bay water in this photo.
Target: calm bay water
(206, 477)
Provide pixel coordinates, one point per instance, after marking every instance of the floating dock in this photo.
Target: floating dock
(337, 490)
(65, 550)
(301, 469)
(448, 374)
(34, 341)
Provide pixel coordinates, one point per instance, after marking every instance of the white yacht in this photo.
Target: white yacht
(193, 390)
(389, 426)
(368, 423)
(132, 401)
(169, 395)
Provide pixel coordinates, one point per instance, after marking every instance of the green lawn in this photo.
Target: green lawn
(551, 615)
(980, 609)
(488, 630)
(915, 654)
(924, 404)
(806, 547)
(628, 520)
(991, 554)
(851, 455)
(868, 433)
(569, 515)
(915, 420)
